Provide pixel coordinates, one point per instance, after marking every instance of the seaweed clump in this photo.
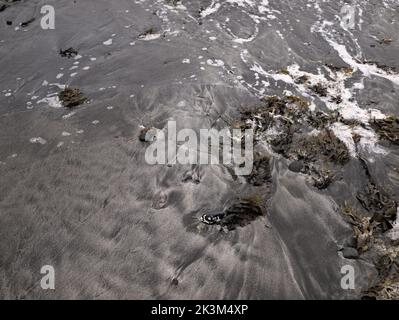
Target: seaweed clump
(283, 114)
(284, 123)
(319, 154)
(319, 89)
(369, 227)
(289, 108)
(363, 227)
(71, 97)
(386, 261)
(68, 53)
(379, 204)
(324, 144)
(387, 128)
(240, 214)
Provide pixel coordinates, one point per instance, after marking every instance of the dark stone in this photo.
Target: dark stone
(296, 166)
(350, 253)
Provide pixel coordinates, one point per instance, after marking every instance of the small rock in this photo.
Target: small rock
(296, 166)
(350, 253)
(175, 282)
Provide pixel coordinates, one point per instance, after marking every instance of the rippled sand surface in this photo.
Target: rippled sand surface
(76, 192)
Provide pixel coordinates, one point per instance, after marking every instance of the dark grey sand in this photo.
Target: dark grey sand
(86, 202)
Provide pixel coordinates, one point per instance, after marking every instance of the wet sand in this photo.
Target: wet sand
(76, 192)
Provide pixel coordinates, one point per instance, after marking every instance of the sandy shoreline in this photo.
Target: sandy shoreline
(76, 192)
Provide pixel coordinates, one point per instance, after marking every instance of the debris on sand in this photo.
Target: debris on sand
(291, 108)
(148, 134)
(274, 111)
(302, 79)
(148, 32)
(321, 120)
(285, 124)
(387, 266)
(362, 226)
(321, 176)
(388, 69)
(172, 2)
(68, 53)
(27, 23)
(284, 71)
(3, 7)
(239, 214)
(380, 205)
(385, 40)
(325, 144)
(71, 97)
(388, 289)
(319, 154)
(319, 89)
(347, 70)
(337, 99)
(212, 219)
(387, 128)
(369, 236)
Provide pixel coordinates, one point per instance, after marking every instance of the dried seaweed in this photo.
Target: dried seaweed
(387, 128)
(71, 97)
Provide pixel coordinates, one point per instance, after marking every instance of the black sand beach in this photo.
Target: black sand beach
(76, 192)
